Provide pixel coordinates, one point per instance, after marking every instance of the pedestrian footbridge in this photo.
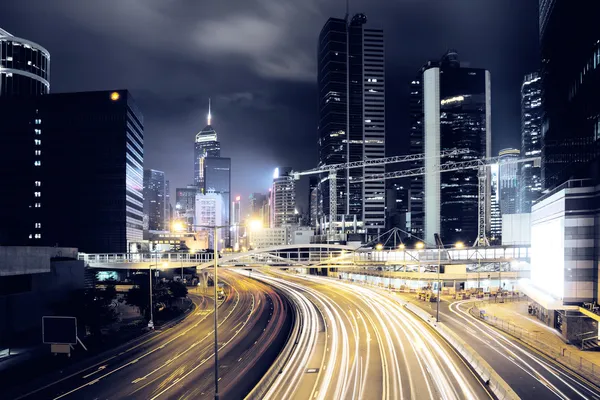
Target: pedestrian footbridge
(311, 255)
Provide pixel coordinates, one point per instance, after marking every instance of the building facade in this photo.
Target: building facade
(217, 179)
(154, 199)
(283, 198)
(351, 81)
(94, 140)
(236, 222)
(210, 211)
(570, 72)
(530, 181)
(185, 205)
(24, 67)
(455, 114)
(508, 181)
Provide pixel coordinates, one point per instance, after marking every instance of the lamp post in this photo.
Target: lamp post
(151, 322)
(440, 244)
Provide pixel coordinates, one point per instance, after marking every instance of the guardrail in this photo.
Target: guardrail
(263, 386)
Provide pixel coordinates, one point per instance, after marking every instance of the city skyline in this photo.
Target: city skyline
(250, 99)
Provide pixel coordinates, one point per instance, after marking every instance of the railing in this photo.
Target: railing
(584, 367)
(156, 258)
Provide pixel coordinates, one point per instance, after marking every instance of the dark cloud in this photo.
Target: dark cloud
(257, 60)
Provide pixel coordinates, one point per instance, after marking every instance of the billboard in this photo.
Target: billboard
(548, 256)
(59, 330)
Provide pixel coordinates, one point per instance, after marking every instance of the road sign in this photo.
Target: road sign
(59, 330)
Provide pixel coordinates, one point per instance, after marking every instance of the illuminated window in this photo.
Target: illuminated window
(38, 131)
(38, 205)
(38, 235)
(38, 121)
(38, 194)
(38, 152)
(38, 183)
(38, 225)
(37, 163)
(38, 142)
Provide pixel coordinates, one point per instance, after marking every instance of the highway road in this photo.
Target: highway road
(179, 362)
(359, 344)
(529, 373)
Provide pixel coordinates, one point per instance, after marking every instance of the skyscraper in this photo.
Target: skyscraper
(313, 201)
(168, 206)
(93, 140)
(217, 179)
(210, 211)
(236, 221)
(530, 181)
(570, 72)
(185, 205)
(283, 198)
(455, 113)
(255, 205)
(351, 80)
(495, 215)
(508, 183)
(24, 67)
(154, 199)
(206, 145)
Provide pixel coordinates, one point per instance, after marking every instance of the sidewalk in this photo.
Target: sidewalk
(514, 319)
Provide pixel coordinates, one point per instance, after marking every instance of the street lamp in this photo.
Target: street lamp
(420, 245)
(440, 244)
(401, 246)
(459, 245)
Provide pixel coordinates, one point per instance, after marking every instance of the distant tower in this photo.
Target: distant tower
(531, 140)
(206, 145)
(24, 67)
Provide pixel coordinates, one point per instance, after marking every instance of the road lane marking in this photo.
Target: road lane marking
(95, 372)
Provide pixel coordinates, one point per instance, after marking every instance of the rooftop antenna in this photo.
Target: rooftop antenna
(209, 117)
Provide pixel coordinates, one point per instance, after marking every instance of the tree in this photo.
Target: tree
(177, 289)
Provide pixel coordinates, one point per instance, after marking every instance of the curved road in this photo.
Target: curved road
(179, 362)
(359, 344)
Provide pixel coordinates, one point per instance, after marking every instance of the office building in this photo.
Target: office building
(93, 140)
(265, 211)
(168, 206)
(154, 199)
(495, 236)
(564, 258)
(415, 218)
(283, 198)
(508, 182)
(255, 205)
(530, 180)
(217, 179)
(210, 211)
(455, 113)
(351, 82)
(313, 201)
(570, 72)
(206, 145)
(396, 206)
(236, 222)
(185, 205)
(24, 67)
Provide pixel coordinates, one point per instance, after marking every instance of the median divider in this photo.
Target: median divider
(497, 385)
(263, 386)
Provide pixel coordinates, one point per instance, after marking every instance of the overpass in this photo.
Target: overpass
(312, 255)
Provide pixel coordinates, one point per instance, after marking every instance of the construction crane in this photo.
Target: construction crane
(333, 168)
(481, 165)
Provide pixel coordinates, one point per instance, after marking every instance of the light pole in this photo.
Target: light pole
(438, 242)
(151, 322)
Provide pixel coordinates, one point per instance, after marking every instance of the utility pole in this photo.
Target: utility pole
(151, 322)
(216, 256)
(438, 242)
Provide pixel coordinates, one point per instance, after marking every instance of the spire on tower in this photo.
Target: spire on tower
(209, 117)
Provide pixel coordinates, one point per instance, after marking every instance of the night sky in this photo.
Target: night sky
(257, 60)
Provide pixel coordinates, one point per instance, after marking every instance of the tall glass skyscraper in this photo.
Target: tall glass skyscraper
(217, 179)
(570, 72)
(154, 199)
(351, 80)
(79, 158)
(508, 182)
(206, 145)
(454, 113)
(531, 141)
(24, 67)
(283, 198)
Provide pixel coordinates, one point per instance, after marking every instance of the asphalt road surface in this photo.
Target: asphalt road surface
(179, 362)
(359, 344)
(530, 374)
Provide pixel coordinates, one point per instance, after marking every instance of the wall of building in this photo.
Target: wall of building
(516, 230)
(29, 296)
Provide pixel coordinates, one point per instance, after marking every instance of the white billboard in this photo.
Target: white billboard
(548, 256)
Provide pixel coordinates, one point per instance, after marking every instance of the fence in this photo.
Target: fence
(582, 366)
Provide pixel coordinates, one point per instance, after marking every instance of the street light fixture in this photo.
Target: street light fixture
(401, 246)
(459, 245)
(379, 247)
(420, 245)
